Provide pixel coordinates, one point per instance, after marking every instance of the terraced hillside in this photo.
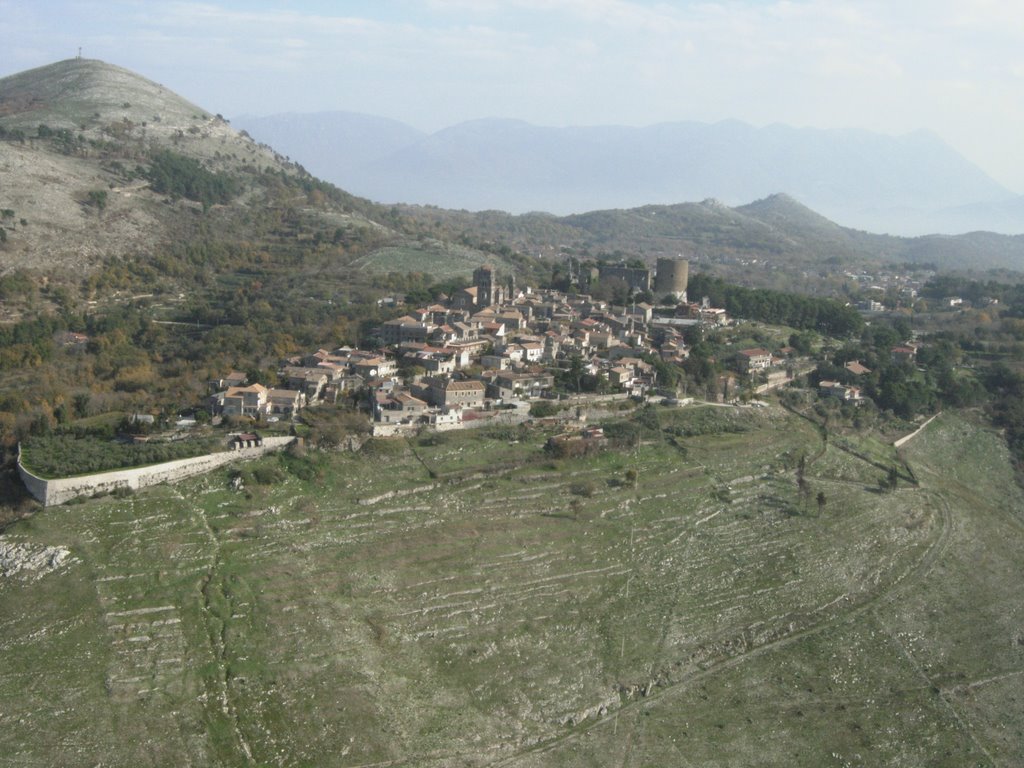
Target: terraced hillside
(470, 601)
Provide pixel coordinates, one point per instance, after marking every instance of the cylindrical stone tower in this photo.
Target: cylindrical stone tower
(671, 277)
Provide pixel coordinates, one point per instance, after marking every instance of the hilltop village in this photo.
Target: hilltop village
(492, 349)
(495, 351)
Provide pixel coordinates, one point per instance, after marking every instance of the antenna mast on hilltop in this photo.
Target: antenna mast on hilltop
(79, 53)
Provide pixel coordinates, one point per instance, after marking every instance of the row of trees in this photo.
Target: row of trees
(1006, 388)
(826, 316)
(65, 455)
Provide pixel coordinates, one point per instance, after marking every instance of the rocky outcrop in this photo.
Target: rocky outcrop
(30, 561)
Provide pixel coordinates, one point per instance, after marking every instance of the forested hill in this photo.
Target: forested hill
(777, 228)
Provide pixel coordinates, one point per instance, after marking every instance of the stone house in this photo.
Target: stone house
(756, 359)
(621, 376)
(399, 408)
(285, 402)
(841, 391)
(241, 401)
(495, 362)
(374, 367)
(446, 393)
(431, 360)
(466, 331)
(512, 319)
(464, 298)
(310, 381)
(442, 334)
(405, 328)
(521, 384)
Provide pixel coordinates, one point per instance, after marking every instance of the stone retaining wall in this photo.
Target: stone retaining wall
(63, 489)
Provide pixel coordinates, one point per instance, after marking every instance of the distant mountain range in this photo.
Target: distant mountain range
(909, 185)
(78, 139)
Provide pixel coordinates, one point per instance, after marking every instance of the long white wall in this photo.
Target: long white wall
(61, 490)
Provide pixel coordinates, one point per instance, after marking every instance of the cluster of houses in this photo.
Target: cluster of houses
(849, 393)
(492, 347)
(887, 288)
(487, 346)
(305, 380)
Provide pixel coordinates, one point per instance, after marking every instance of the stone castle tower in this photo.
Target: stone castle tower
(488, 291)
(671, 278)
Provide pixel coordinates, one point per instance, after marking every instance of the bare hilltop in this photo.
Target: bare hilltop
(79, 140)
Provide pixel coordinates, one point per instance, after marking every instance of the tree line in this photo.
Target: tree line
(826, 316)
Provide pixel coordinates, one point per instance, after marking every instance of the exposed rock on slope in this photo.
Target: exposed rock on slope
(31, 561)
(75, 143)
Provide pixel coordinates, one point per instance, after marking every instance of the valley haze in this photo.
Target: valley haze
(906, 185)
(885, 69)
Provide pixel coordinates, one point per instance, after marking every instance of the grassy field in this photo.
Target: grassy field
(469, 601)
(443, 261)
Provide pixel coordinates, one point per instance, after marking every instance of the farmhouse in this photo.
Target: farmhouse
(841, 391)
(756, 359)
(445, 393)
(241, 401)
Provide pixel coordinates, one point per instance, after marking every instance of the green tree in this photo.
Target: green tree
(801, 342)
(179, 176)
(97, 198)
(542, 409)
(891, 480)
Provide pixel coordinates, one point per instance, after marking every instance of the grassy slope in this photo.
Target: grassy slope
(472, 620)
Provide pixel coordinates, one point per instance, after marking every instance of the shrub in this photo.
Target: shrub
(267, 474)
(583, 488)
(433, 439)
(97, 198)
(542, 409)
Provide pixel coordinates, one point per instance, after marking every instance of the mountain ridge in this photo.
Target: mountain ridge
(851, 175)
(104, 207)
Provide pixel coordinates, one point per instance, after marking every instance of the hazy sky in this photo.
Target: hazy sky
(955, 67)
